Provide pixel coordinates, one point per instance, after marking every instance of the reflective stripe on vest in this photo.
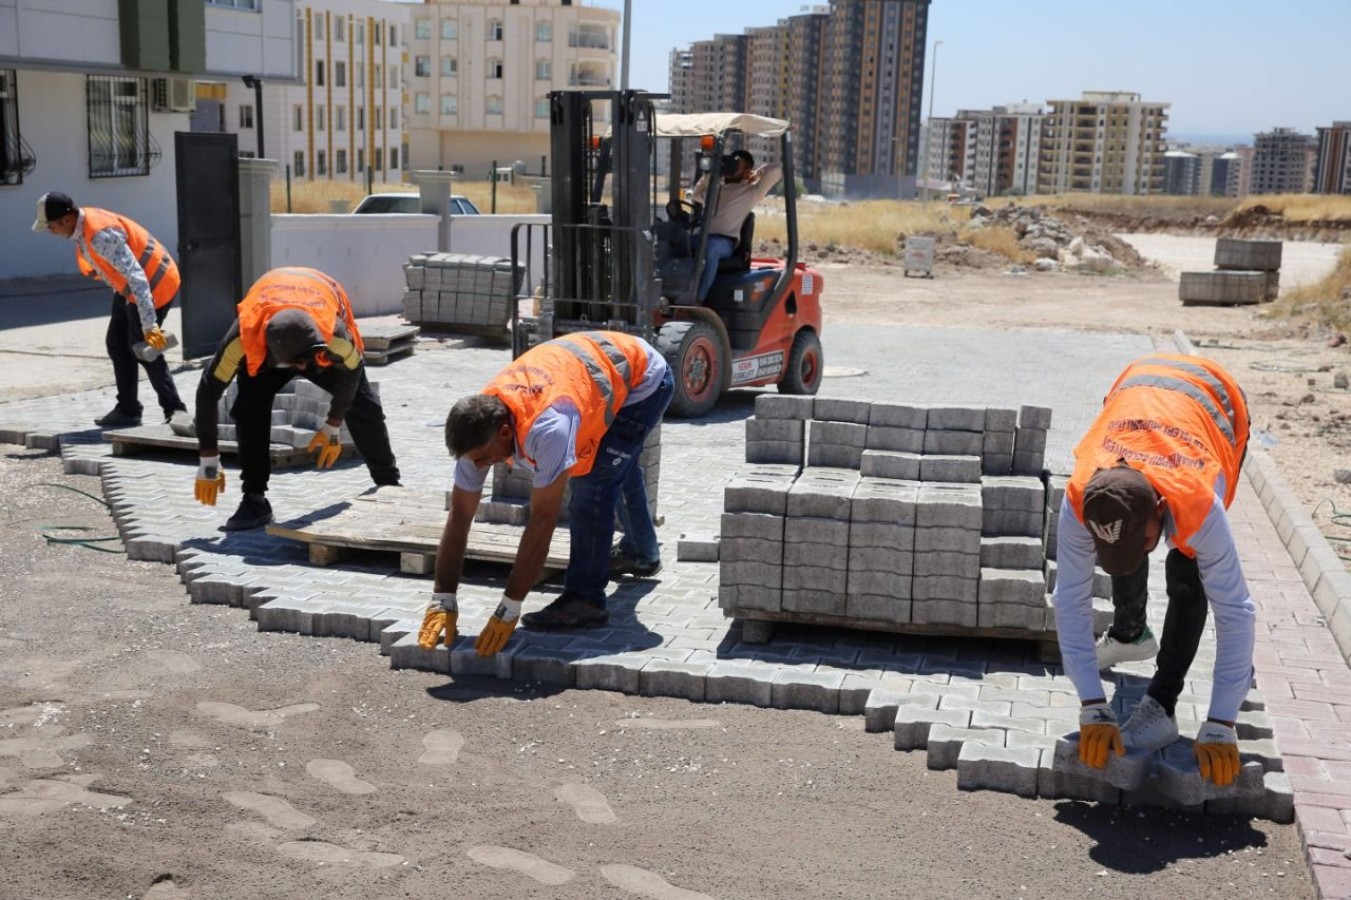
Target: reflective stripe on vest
(279, 289)
(1201, 398)
(1201, 372)
(593, 368)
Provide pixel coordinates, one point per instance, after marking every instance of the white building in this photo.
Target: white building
(481, 73)
(990, 152)
(90, 99)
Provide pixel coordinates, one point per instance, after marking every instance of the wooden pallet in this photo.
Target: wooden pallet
(383, 337)
(408, 522)
(392, 352)
(130, 441)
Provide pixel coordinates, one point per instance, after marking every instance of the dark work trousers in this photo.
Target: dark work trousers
(252, 413)
(1183, 624)
(124, 331)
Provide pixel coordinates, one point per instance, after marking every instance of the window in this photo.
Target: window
(450, 105)
(119, 127)
(359, 32)
(377, 35)
(235, 4)
(450, 29)
(339, 162)
(541, 107)
(298, 163)
(379, 78)
(378, 119)
(361, 160)
(422, 104)
(339, 74)
(16, 158)
(321, 163)
(494, 104)
(495, 30)
(319, 118)
(361, 118)
(393, 117)
(340, 124)
(394, 76)
(378, 161)
(361, 77)
(422, 29)
(319, 25)
(392, 32)
(339, 29)
(449, 66)
(544, 32)
(246, 115)
(544, 70)
(494, 68)
(422, 66)
(298, 117)
(393, 159)
(319, 73)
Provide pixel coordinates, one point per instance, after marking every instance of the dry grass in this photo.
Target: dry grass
(1304, 208)
(310, 197)
(1161, 206)
(998, 239)
(1328, 302)
(876, 225)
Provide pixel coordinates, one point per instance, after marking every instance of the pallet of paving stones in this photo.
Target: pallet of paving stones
(384, 343)
(408, 523)
(914, 519)
(1246, 272)
(460, 292)
(148, 438)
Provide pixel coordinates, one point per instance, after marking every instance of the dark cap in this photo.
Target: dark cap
(1118, 503)
(52, 206)
(292, 337)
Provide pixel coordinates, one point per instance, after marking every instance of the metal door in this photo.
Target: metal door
(208, 237)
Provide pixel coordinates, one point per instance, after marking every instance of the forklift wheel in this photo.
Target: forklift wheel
(806, 364)
(695, 355)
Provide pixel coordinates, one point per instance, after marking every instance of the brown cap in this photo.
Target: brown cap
(293, 337)
(1118, 502)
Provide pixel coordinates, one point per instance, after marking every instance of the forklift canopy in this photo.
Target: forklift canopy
(699, 124)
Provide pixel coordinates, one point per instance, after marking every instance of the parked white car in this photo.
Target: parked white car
(460, 205)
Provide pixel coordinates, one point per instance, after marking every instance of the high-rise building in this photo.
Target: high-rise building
(681, 81)
(950, 151)
(806, 52)
(719, 82)
(1283, 161)
(1225, 174)
(1332, 171)
(987, 151)
(767, 67)
(1181, 173)
(480, 73)
(1106, 142)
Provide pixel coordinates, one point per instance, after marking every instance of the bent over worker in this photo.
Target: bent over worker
(293, 321)
(1162, 459)
(113, 249)
(574, 410)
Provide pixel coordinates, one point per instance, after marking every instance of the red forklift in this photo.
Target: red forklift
(624, 250)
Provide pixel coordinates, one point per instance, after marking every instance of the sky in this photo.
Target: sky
(1229, 67)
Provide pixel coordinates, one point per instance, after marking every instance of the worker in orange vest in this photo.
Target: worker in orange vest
(575, 411)
(116, 251)
(1162, 459)
(293, 321)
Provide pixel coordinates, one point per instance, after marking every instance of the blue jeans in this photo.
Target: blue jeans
(614, 484)
(719, 247)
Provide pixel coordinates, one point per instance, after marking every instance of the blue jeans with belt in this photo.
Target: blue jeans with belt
(614, 485)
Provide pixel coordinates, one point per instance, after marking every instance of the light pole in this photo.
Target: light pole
(929, 131)
(252, 81)
(624, 61)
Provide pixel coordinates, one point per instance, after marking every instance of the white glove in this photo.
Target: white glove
(210, 480)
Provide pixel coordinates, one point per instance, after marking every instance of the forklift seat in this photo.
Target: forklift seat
(740, 260)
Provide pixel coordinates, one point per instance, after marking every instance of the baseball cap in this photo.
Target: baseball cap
(1118, 503)
(292, 337)
(52, 206)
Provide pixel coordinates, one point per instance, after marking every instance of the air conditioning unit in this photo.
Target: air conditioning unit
(173, 94)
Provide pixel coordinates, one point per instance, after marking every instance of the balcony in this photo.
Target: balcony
(589, 40)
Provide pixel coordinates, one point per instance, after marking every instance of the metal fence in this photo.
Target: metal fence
(117, 112)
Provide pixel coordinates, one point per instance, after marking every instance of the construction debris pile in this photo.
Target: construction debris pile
(1057, 244)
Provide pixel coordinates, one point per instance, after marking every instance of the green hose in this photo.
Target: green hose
(85, 542)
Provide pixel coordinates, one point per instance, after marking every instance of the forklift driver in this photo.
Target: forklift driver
(744, 187)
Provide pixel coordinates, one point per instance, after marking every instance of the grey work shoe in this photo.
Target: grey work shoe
(1111, 651)
(118, 419)
(1149, 728)
(623, 564)
(181, 423)
(568, 611)
(254, 512)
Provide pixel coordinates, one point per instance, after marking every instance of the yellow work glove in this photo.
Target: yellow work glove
(497, 632)
(210, 480)
(1098, 735)
(439, 620)
(155, 338)
(328, 441)
(1217, 753)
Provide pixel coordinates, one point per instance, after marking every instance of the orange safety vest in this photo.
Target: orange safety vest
(1183, 422)
(160, 269)
(595, 370)
(295, 287)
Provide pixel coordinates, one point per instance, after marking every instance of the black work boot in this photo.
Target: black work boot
(118, 419)
(254, 512)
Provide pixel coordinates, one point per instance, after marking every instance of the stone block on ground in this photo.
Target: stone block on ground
(1010, 770)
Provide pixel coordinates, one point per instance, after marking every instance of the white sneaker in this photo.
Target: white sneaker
(181, 422)
(1149, 728)
(1111, 651)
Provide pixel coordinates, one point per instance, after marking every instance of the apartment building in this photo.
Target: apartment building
(92, 93)
(680, 81)
(1283, 161)
(806, 54)
(767, 67)
(991, 152)
(1332, 171)
(719, 79)
(1106, 142)
(949, 152)
(481, 72)
(1201, 171)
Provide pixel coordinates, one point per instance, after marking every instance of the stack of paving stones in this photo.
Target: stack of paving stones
(459, 292)
(298, 411)
(1246, 272)
(508, 500)
(882, 514)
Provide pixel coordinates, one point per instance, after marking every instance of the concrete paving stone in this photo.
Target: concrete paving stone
(824, 493)
(1179, 778)
(998, 418)
(604, 673)
(996, 463)
(897, 440)
(1029, 440)
(547, 665)
(952, 700)
(214, 589)
(945, 743)
(338, 619)
(956, 418)
(1011, 770)
(938, 467)
(879, 710)
(938, 563)
(839, 409)
(954, 443)
(1021, 587)
(465, 661)
(948, 506)
(1034, 417)
(1057, 784)
(945, 588)
(826, 602)
(822, 542)
(1253, 725)
(837, 456)
(807, 690)
(731, 682)
(944, 539)
(890, 464)
(898, 415)
(406, 654)
(750, 526)
(930, 611)
(151, 548)
(778, 430)
(879, 607)
(1034, 725)
(855, 690)
(1276, 802)
(784, 406)
(1128, 772)
(1012, 552)
(997, 442)
(776, 452)
(1014, 492)
(884, 500)
(697, 546)
(1265, 752)
(913, 724)
(866, 559)
(660, 678)
(757, 494)
(1011, 523)
(1012, 616)
(1021, 739)
(1028, 463)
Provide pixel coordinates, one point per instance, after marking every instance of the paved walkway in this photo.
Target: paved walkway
(669, 637)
